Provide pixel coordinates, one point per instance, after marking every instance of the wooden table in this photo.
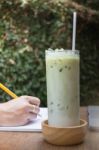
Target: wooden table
(35, 141)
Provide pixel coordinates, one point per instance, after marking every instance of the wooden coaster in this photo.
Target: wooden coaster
(64, 136)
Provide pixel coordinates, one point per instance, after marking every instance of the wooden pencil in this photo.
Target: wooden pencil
(9, 92)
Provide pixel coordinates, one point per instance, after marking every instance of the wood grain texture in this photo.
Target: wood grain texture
(35, 141)
(64, 136)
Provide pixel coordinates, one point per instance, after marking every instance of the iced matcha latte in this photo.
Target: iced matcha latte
(62, 73)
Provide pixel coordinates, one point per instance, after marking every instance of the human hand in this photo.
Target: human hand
(19, 111)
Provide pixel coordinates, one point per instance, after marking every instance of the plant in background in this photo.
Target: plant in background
(28, 28)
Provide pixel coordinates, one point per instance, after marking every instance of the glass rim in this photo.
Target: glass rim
(62, 50)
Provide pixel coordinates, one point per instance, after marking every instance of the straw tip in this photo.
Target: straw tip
(75, 13)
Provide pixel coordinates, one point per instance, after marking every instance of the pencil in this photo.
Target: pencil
(9, 92)
(5, 89)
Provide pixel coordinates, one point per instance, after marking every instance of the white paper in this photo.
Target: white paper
(93, 112)
(34, 126)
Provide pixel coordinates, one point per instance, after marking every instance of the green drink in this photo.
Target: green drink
(62, 73)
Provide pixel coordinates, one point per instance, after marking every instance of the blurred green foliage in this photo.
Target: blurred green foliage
(27, 29)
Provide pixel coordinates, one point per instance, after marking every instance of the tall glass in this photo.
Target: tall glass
(62, 74)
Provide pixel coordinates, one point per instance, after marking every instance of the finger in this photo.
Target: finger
(32, 116)
(33, 100)
(34, 109)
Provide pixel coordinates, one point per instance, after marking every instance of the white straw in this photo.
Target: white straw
(74, 30)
